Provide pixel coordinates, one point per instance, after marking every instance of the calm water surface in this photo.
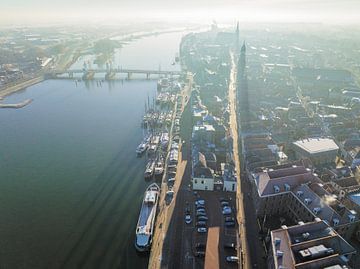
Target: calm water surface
(71, 185)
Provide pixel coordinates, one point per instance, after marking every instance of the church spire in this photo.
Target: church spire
(237, 36)
(243, 48)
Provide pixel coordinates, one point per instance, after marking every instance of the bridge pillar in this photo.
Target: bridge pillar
(147, 75)
(129, 75)
(71, 74)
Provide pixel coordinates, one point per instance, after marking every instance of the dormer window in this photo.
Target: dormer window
(276, 189)
(307, 201)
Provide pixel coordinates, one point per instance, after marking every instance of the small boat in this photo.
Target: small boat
(143, 146)
(164, 140)
(145, 225)
(159, 167)
(141, 149)
(149, 170)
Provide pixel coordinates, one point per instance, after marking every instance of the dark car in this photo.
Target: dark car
(200, 254)
(203, 218)
(200, 206)
(230, 245)
(230, 223)
(201, 210)
(224, 203)
(229, 219)
(200, 223)
(222, 199)
(200, 214)
(200, 246)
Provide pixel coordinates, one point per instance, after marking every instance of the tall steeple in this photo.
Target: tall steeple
(237, 38)
(242, 90)
(243, 48)
(242, 62)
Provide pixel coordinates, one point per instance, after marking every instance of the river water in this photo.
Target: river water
(71, 185)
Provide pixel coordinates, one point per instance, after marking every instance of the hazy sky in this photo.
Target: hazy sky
(329, 11)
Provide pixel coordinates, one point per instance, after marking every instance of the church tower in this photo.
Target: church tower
(242, 90)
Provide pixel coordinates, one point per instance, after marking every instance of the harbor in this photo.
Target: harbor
(77, 173)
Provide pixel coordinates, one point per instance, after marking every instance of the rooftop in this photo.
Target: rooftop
(316, 145)
(321, 245)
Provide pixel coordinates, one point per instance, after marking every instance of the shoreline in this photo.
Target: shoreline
(20, 86)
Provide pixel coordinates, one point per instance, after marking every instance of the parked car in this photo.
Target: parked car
(188, 219)
(200, 223)
(200, 246)
(201, 230)
(232, 259)
(200, 202)
(200, 206)
(203, 218)
(230, 245)
(200, 254)
(224, 203)
(226, 210)
(229, 223)
(229, 219)
(222, 199)
(201, 210)
(200, 214)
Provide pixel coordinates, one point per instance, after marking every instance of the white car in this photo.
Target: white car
(202, 230)
(200, 202)
(188, 219)
(232, 259)
(226, 210)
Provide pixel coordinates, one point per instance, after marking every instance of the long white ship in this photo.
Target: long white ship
(145, 225)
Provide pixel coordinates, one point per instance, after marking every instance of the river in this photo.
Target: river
(71, 185)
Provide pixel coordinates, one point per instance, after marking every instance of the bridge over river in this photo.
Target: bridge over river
(89, 74)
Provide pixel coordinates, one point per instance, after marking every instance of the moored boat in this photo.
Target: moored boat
(159, 167)
(149, 170)
(145, 225)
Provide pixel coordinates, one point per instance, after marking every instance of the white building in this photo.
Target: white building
(318, 150)
(229, 178)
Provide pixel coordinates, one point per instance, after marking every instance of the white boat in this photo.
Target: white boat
(143, 146)
(145, 225)
(149, 170)
(141, 149)
(164, 140)
(159, 167)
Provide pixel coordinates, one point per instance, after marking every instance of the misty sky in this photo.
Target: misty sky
(329, 11)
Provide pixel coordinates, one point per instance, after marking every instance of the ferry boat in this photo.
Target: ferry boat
(145, 225)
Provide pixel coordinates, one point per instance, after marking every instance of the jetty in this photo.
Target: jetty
(17, 105)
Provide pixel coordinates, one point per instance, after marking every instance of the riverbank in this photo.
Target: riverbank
(20, 86)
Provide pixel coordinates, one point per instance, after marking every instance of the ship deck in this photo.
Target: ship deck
(146, 217)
